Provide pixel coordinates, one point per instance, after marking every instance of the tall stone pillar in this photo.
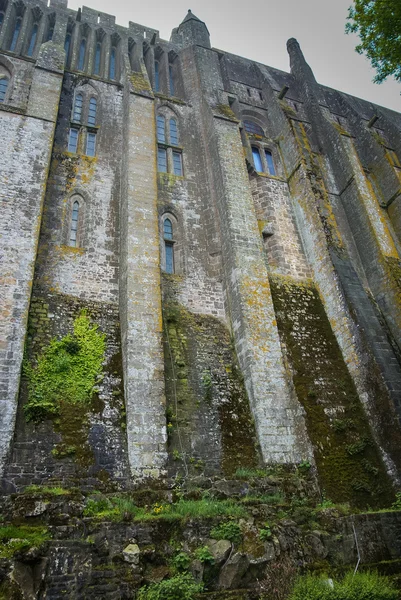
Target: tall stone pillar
(24, 164)
(140, 297)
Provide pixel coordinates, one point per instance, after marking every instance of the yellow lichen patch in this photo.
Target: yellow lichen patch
(139, 82)
(226, 111)
(69, 251)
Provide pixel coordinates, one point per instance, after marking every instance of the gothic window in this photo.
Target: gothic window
(92, 112)
(77, 112)
(32, 41)
(73, 140)
(171, 79)
(168, 245)
(74, 224)
(98, 56)
(169, 157)
(173, 132)
(157, 76)
(4, 80)
(161, 132)
(257, 161)
(82, 51)
(253, 128)
(90, 144)
(269, 162)
(17, 29)
(177, 163)
(162, 160)
(112, 70)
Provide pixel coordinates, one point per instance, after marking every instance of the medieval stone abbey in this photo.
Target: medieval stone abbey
(200, 262)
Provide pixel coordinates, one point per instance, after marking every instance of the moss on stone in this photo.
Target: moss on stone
(326, 391)
(204, 383)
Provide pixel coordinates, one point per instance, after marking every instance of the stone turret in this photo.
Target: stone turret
(194, 31)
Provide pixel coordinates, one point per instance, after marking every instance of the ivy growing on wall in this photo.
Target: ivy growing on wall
(66, 371)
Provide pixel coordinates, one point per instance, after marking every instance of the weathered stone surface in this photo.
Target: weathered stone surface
(132, 554)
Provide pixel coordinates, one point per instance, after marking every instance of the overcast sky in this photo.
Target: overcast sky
(259, 30)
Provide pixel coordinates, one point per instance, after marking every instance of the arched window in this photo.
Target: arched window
(253, 128)
(92, 112)
(168, 245)
(77, 112)
(32, 42)
(257, 161)
(74, 224)
(173, 132)
(3, 86)
(1, 18)
(17, 29)
(157, 77)
(112, 69)
(81, 59)
(161, 129)
(98, 56)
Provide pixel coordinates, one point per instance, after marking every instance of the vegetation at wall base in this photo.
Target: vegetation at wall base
(361, 586)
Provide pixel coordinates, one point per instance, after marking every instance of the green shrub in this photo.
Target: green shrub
(182, 561)
(66, 371)
(228, 530)
(397, 504)
(179, 587)
(265, 533)
(362, 586)
(204, 555)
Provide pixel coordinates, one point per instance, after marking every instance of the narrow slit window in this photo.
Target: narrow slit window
(161, 132)
(73, 140)
(162, 160)
(168, 229)
(157, 77)
(15, 37)
(32, 42)
(173, 132)
(74, 224)
(270, 164)
(97, 58)
(3, 88)
(169, 257)
(91, 144)
(50, 33)
(168, 245)
(77, 114)
(112, 70)
(82, 51)
(1, 18)
(92, 112)
(67, 45)
(177, 163)
(257, 161)
(171, 80)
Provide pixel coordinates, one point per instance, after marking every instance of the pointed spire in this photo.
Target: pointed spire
(190, 15)
(194, 31)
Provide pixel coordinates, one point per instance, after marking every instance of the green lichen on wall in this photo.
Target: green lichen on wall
(349, 464)
(66, 371)
(208, 416)
(61, 386)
